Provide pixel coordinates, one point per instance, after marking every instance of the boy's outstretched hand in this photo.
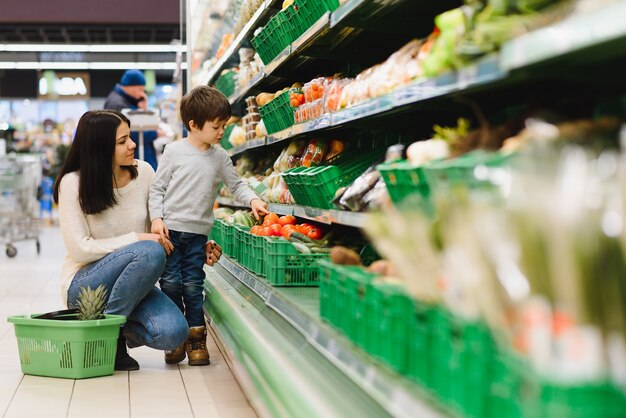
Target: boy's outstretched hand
(213, 252)
(259, 208)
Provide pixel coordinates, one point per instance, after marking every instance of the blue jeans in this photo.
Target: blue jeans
(129, 275)
(183, 276)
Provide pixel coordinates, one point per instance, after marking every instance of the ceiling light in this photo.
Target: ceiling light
(90, 48)
(89, 65)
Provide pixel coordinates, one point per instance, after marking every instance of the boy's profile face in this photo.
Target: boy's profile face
(211, 133)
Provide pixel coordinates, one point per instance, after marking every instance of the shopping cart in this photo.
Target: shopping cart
(20, 175)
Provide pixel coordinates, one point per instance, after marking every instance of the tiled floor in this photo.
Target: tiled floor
(30, 284)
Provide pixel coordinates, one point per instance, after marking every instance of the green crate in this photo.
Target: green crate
(305, 13)
(226, 83)
(285, 266)
(217, 233)
(228, 236)
(257, 261)
(274, 37)
(317, 186)
(404, 180)
(395, 325)
(239, 244)
(357, 286)
(225, 143)
(70, 349)
(278, 113)
(419, 345)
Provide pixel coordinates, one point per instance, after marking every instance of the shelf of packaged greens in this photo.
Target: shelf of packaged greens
(326, 216)
(576, 33)
(298, 306)
(243, 92)
(263, 10)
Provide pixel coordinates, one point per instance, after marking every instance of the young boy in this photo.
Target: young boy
(181, 208)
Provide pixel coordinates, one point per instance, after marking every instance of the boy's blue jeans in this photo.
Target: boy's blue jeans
(183, 277)
(130, 275)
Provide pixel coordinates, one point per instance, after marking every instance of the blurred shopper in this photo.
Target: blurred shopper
(181, 208)
(102, 193)
(130, 93)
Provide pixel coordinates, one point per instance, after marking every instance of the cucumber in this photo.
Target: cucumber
(301, 237)
(302, 248)
(323, 250)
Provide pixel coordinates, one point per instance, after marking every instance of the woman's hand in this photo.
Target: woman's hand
(213, 252)
(258, 207)
(166, 243)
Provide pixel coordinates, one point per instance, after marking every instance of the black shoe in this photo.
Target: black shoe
(124, 362)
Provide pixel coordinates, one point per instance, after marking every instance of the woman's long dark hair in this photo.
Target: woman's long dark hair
(91, 155)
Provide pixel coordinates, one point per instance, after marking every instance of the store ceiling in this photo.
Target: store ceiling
(88, 34)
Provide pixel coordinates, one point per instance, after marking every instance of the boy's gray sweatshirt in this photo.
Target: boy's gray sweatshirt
(186, 184)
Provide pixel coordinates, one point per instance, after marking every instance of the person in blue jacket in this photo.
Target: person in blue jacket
(130, 93)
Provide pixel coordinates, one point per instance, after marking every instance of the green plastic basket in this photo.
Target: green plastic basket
(226, 83)
(240, 242)
(303, 14)
(285, 266)
(257, 255)
(275, 36)
(228, 237)
(317, 186)
(404, 180)
(278, 113)
(70, 349)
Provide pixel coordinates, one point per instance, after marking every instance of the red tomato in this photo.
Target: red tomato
(272, 217)
(267, 222)
(287, 230)
(276, 230)
(315, 233)
(304, 228)
(255, 230)
(287, 220)
(266, 231)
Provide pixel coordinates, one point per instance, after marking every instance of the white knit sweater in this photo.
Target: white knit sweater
(88, 238)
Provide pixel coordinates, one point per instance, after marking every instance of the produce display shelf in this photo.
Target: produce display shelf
(281, 374)
(300, 307)
(245, 33)
(325, 216)
(571, 35)
(254, 143)
(556, 41)
(482, 72)
(241, 94)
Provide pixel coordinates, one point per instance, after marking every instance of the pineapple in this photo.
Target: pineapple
(91, 303)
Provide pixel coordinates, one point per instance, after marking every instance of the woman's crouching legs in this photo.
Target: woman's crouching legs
(156, 322)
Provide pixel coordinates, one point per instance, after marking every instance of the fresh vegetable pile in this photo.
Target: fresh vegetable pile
(306, 237)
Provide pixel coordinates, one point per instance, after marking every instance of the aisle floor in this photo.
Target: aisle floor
(30, 284)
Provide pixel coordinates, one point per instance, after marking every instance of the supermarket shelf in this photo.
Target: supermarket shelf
(569, 36)
(326, 216)
(299, 307)
(229, 201)
(281, 374)
(245, 33)
(254, 143)
(245, 92)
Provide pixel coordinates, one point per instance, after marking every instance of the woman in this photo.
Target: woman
(102, 193)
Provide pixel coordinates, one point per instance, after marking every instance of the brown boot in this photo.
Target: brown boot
(177, 355)
(196, 347)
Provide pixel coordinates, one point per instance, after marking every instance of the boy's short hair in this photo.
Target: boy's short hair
(204, 104)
